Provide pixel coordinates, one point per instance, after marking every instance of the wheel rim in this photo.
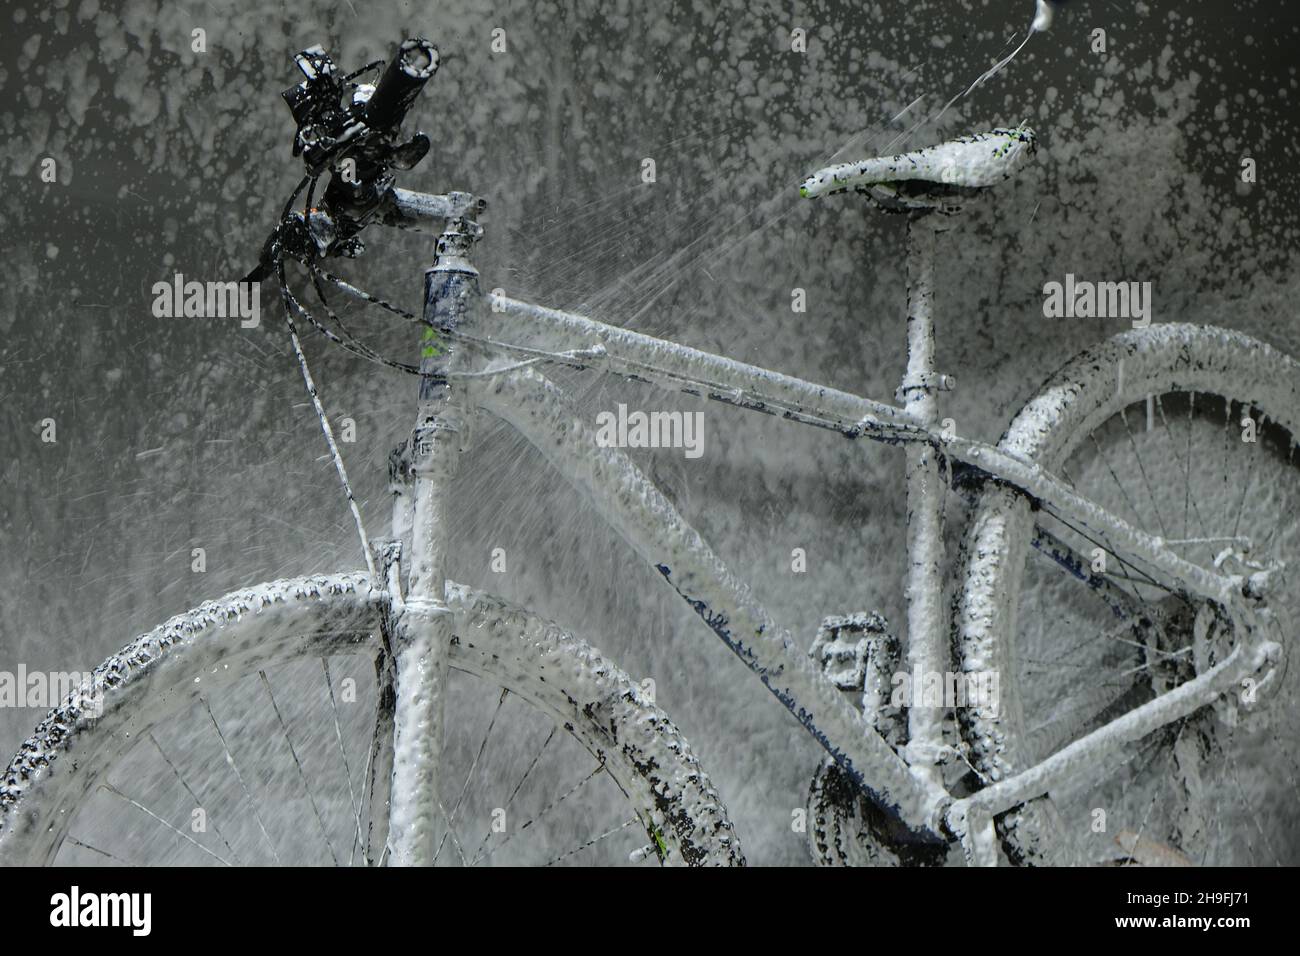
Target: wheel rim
(1054, 429)
(293, 803)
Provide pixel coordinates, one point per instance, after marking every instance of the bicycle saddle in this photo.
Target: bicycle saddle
(920, 178)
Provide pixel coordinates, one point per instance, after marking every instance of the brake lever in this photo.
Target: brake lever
(409, 154)
(356, 142)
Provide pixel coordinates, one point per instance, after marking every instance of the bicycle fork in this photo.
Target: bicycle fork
(421, 626)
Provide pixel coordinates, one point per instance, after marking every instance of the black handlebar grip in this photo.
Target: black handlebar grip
(416, 61)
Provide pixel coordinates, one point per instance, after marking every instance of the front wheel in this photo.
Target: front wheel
(256, 729)
(1188, 433)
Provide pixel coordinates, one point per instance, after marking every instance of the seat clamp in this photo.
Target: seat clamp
(926, 382)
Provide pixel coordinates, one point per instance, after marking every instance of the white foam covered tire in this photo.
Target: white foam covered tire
(152, 679)
(1090, 389)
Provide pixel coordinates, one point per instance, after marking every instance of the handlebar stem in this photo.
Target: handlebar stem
(407, 209)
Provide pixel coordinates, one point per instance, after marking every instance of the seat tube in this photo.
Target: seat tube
(422, 632)
(927, 651)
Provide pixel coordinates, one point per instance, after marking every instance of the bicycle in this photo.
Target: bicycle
(1188, 614)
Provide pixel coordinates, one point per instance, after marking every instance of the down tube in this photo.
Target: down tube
(635, 508)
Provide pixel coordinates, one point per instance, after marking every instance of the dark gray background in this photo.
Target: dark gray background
(176, 433)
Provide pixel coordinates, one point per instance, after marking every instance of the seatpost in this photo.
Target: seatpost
(927, 649)
(421, 634)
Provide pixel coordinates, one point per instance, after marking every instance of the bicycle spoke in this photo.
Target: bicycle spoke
(547, 809)
(1110, 550)
(1073, 562)
(193, 795)
(1137, 456)
(347, 770)
(470, 773)
(1187, 465)
(593, 841)
(1142, 755)
(380, 763)
(302, 774)
(230, 760)
(1148, 665)
(455, 841)
(1246, 486)
(1226, 437)
(1236, 780)
(1150, 806)
(1268, 541)
(356, 837)
(1092, 435)
(94, 849)
(1189, 503)
(1125, 624)
(143, 809)
(1208, 848)
(511, 799)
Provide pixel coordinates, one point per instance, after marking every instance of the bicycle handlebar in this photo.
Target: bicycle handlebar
(352, 131)
(407, 72)
(333, 126)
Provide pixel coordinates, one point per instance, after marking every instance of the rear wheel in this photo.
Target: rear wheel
(256, 730)
(1189, 434)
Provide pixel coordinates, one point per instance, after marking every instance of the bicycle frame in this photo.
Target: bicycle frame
(906, 785)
